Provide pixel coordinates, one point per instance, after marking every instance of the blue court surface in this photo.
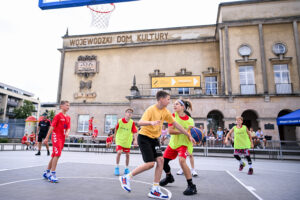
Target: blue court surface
(85, 175)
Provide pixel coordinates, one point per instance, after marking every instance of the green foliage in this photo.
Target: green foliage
(3, 140)
(24, 111)
(51, 114)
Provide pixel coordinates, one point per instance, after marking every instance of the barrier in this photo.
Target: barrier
(280, 150)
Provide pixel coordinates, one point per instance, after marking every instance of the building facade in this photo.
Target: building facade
(247, 64)
(11, 98)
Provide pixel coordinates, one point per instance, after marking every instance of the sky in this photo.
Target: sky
(30, 37)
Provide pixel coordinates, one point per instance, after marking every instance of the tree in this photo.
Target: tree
(51, 114)
(24, 111)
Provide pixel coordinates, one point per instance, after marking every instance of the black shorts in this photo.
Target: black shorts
(150, 148)
(41, 136)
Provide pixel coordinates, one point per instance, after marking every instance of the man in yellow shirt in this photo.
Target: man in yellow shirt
(148, 140)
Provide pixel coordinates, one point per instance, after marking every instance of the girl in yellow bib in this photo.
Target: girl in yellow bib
(180, 145)
(124, 131)
(242, 143)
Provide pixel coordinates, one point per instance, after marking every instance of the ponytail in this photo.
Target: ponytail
(187, 105)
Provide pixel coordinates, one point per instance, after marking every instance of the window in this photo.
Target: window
(282, 79)
(279, 49)
(110, 122)
(155, 90)
(247, 80)
(184, 91)
(211, 85)
(83, 123)
(244, 50)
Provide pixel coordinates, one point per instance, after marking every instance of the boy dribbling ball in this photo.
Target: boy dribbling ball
(242, 143)
(148, 140)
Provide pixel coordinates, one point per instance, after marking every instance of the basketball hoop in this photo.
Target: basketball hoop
(101, 14)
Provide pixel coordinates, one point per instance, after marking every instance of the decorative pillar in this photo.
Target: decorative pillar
(263, 59)
(228, 67)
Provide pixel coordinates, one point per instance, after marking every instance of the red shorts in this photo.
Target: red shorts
(95, 135)
(90, 128)
(57, 144)
(126, 150)
(172, 153)
(241, 152)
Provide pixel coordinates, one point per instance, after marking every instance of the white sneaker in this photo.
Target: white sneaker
(180, 172)
(125, 183)
(157, 194)
(53, 179)
(194, 173)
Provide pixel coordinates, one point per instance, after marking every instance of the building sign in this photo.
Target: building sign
(86, 65)
(85, 95)
(141, 37)
(269, 126)
(4, 129)
(175, 81)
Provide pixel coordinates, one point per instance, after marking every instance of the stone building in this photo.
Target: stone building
(247, 64)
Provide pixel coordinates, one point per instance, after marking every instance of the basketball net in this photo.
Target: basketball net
(101, 14)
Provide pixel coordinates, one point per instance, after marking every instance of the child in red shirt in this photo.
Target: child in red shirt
(32, 139)
(25, 140)
(109, 140)
(95, 134)
(91, 126)
(61, 127)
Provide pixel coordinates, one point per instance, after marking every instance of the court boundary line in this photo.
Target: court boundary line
(247, 187)
(82, 177)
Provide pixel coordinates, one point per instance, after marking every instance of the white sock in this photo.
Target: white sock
(241, 162)
(250, 165)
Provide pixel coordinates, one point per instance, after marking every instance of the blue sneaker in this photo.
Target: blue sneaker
(126, 171)
(117, 173)
(46, 174)
(156, 193)
(52, 178)
(125, 183)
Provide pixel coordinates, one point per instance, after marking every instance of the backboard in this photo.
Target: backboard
(54, 4)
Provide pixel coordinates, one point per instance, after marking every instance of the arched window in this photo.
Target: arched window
(215, 119)
(286, 132)
(250, 119)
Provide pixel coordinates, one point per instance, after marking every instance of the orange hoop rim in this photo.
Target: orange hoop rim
(104, 12)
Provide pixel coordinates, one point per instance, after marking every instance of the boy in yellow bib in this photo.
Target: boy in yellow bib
(242, 143)
(124, 131)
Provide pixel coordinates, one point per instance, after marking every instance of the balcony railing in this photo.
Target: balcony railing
(146, 90)
(10, 114)
(283, 88)
(12, 103)
(248, 88)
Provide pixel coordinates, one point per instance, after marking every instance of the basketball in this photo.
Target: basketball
(196, 134)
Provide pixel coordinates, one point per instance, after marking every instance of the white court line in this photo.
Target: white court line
(249, 188)
(26, 180)
(29, 166)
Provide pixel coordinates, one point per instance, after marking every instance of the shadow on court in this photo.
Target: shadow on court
(96, 181)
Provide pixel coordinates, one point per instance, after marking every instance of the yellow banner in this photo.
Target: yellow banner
(175, 81)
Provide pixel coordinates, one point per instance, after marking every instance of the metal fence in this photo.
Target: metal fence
(281, 150)
(16, 127)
